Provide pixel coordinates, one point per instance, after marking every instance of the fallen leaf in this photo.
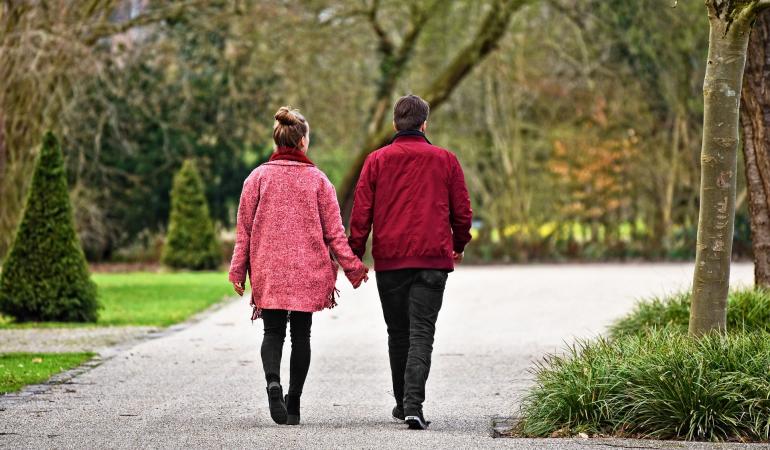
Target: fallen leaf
(37, 360)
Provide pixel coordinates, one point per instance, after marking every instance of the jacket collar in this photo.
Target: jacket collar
(409, 133)
(290, 154)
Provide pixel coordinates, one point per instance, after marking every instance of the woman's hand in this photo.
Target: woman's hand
(364, 278)
(238, 288)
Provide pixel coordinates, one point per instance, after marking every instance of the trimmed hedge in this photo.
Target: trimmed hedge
(747, 310)
(191, 240)
(46, 277)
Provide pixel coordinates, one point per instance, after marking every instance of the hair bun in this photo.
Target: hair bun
(286, 116)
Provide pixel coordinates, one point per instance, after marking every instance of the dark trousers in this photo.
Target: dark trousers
(272, 346)
(411, 300)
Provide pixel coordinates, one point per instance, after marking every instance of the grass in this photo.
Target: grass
(20, 369)
(650, 379)
(150, 299)
(748, 310)
(662, 385)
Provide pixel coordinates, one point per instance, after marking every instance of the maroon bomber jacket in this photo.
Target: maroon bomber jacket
(414, 196)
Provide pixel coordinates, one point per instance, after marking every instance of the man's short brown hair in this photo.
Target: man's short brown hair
(410, 112)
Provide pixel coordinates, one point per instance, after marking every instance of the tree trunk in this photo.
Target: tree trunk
(755, 120)
(3, 155)
(728, 39)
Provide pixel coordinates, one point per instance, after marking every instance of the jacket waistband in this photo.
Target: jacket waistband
(414, 262)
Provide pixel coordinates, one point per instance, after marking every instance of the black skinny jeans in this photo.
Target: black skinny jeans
(272, 346)
(411, 300)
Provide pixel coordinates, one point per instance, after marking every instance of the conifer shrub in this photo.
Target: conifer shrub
(191, 241)
(45, 276)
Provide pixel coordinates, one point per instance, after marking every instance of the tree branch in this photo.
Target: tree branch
(489, 33)
(761, 5)
(106, 28)
(492, 28)
(385, 45)
(421, 16)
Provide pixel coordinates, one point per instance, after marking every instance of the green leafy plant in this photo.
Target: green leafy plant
(191, 241)
(748, 310)
(46, 277)
(663, 385)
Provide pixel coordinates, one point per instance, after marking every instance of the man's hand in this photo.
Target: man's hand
(363, 279)
(458, 257)
(238, 288)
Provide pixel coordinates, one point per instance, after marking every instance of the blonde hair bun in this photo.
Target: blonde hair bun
(285, 116)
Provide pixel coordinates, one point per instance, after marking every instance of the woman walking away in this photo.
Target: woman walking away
(289, 226)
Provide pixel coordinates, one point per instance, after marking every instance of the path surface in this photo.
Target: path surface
(58, 340)
(202, 386)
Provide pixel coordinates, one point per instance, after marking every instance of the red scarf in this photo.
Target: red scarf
(290, 154)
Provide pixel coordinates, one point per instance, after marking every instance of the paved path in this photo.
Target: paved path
(202, 386)
(58, 340)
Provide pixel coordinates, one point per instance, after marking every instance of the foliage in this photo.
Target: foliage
(747, 310)
(20, 369)
(48, 52)
(663, 385)
(184, 90)
(607, 83)
(191, 242)
(572, 83)
(46, 275)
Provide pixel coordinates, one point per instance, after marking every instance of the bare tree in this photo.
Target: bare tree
(755, 120)
(730, 25)
(45, 48)
(394, 60)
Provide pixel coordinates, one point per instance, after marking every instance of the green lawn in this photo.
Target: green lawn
(146, 298)
(20, 369)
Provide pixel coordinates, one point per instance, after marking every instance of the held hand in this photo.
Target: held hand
(364, 278)
(457, 257)
(238, 288)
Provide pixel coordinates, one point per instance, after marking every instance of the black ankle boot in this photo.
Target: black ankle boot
(292, 409)
(277, 405)
(398, 413)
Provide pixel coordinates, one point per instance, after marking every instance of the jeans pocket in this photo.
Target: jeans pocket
(435, 279)
(391, 282)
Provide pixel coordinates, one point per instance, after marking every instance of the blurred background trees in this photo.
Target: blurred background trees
(578, 122)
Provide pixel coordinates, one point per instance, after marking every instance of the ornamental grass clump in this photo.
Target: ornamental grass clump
(747, 310)
(660, 385)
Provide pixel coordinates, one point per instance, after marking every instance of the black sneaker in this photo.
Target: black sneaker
(292, 408)
(416, 421)
(398, 413)
(276, 401)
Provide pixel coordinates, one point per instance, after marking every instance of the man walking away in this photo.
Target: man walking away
(414, 195)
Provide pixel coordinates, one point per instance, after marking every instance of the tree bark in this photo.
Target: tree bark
(379, 130)
(3, 153)
(755, 121)
(728, 39)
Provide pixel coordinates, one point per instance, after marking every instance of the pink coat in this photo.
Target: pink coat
(288, 223)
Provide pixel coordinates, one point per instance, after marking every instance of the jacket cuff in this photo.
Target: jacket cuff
(237, 278)
(459, 247)
(357, 273)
